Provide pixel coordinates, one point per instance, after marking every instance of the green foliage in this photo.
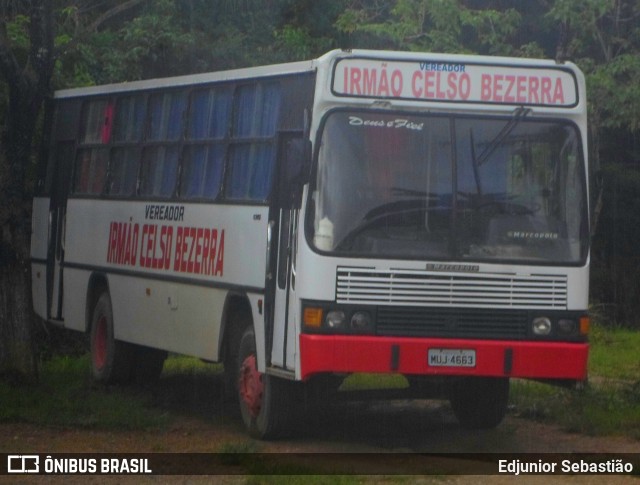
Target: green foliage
(598, 410)
(437, 26)
(610, 404)
(494, 29)
(360, 382)
(615, 255)
(614, 354)
(615, 92)
(66, 396)
(172, 37)
(18, 32)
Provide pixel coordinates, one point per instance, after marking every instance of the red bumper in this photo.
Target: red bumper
(346, 354)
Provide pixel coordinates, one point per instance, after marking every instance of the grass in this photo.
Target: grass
(66, 396)
(361, 382)
(615, 353)
(610, 403)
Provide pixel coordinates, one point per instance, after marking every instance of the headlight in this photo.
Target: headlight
(541, 326)
(567, 326)
(361, 321)
(335, 319)
(339, 320)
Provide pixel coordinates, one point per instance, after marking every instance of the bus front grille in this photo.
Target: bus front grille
(451, 322)
(417, 288)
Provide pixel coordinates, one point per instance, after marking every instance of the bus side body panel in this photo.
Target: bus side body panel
(180, 318)
(76, 286)
(168, 279)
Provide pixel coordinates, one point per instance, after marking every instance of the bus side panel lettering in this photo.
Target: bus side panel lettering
(220, 257)
(205, 250)
(123, 243)
(197, 250)
(211, 267)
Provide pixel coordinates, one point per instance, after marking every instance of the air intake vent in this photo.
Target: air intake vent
(442, 289)
(451, 322)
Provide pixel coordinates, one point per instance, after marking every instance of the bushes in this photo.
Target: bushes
(615, 254)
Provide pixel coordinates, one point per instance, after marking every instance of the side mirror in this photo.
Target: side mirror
(295, 171)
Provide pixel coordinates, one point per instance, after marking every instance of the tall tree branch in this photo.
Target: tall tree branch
(96, 24)
(9, 66)
(117, 10)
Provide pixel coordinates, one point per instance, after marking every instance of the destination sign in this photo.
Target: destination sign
(455, 82)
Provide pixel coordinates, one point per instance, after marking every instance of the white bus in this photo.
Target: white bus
(368, 211)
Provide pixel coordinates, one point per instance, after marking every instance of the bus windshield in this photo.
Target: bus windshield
(450, 188)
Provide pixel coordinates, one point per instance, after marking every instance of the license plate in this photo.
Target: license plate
(452, 358)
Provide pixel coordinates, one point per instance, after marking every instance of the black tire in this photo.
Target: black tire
(480, 402)
(232, 346)
(267, 404)
(148, 364)
(111, 359)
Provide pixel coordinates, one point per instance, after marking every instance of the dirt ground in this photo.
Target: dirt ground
(375, 437)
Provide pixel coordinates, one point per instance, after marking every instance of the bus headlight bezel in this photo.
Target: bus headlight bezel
(541, 326)
(338, 319)
(335, 319)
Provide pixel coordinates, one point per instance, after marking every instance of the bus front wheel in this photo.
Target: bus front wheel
(266, 402)
(111, 359)
(480, 402)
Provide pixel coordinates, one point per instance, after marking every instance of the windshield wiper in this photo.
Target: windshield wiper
(518, 115)
(376, 215)
(422, 194)
(474, 162)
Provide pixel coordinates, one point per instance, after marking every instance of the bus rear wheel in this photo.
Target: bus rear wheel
(111, 359)
(480, 402)
(266, 402)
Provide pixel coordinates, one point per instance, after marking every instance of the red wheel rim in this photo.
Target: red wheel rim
(100, 343)
(251, 386)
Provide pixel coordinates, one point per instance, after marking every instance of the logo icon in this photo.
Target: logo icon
(23, 464)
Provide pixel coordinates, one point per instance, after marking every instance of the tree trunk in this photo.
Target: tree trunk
(18, 357)
(17, 353)
(29, 84)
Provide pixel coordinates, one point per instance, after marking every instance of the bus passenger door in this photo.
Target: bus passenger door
(57, 219)
(280, 331)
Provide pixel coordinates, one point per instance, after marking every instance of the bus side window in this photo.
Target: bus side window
(251, 168)
(125, 156)
(97, 119)
(166, 118)
(202, 171)
(252, 155)
(93, 154)
(202, 163)
(90, 171)
(160, 158)
(159, 170)
(123, 171)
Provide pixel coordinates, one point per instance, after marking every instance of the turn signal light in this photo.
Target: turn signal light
(312, 317)
(584, 325)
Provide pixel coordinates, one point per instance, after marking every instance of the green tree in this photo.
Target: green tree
(28, 53)
(452, 26)
(26, 64)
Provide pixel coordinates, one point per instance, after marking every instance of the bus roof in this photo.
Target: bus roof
(190, 79)
(427, 61)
